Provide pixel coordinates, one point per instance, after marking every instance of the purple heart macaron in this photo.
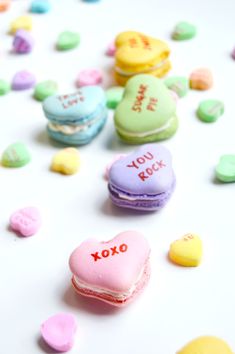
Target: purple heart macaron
(143, 180)
(23, 80)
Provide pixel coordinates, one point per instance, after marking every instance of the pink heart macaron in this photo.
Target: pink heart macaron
(58, 331)
(115, 271)
(143, 180)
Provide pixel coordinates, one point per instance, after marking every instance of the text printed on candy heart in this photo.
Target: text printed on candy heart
(143, 175)
(137, 106)
(70, 100)
(109, 252)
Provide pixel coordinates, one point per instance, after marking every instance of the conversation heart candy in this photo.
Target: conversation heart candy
(178, 84)
(187, 251)
(22, 22)
(23, 42)
(184, 30)
(206, 345)
(233, 54)
(114, 96)
(210, 110)
(68, 40)
(23, 80)
(16, 155)
(40, 6)
(89, 77)
(58, 331)
(4, 87)
(201, 79)
(4, 5)
(225, 170)
(45, 89)
(111, 49)
(26, 221)
(66, 161)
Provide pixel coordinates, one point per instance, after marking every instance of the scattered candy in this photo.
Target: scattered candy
(233, 54)
(40, 6)
(89, 77)
(111, 49)
(4, 87)
(26, 221)
(206, 345)
(114, 96)
(45, 89)
(23, 42)
(225, 170)
(58, 331)
(110, 164)
(4, 5)
(178, 84)
(23, 80)
(16, 155)
(174, 96)
(22, 22)
(68, 40)
(210, 110)
(187, 251)
(66, 161)
(201, 79)
(183, 31)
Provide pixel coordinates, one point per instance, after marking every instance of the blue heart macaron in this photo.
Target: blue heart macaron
(75, 119)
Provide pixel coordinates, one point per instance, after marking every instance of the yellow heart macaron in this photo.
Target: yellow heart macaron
(66, 161)
(206, 345)
(22, 22)
(187, 251)
(138, 54)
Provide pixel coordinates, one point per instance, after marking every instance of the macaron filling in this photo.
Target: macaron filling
(122, 72)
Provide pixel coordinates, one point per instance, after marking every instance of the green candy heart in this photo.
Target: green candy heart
(178, 84)
(45, 89)
(147, 111)
(210, 110)
(183, 31)
(16, 155)
(68, 40)
(4, 87)
(225, 170)
(114, 96)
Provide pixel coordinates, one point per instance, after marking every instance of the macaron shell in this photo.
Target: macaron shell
(129, 119)
(126, 177)
(117, 273)
(206, 345)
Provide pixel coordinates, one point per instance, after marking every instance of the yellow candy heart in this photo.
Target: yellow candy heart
(187, 251)
(137, 54)
(67, 161)
(206, 345)
(22, 22)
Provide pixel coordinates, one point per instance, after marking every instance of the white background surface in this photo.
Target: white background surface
(179, 304)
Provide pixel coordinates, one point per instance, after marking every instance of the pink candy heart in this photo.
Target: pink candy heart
(26, 221)
(59, 330)
(89, 77)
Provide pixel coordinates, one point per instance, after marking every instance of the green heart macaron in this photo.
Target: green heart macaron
(147, 112)
(183, 31)
(16, 155)
(225, 170)
(68, 40)
(210, 110)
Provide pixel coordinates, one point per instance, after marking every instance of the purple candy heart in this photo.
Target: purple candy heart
(23, 80)
(23, 42)
(143, 180)
(233, 54)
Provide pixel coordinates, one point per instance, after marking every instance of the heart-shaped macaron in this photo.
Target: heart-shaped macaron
(66, 161)
(206, 345)
(16, 155)
(112, 271)
(23, 80)
(147, 111)
(59, 331)
(68, 40)
(225, 170)
(187, 251)
(26, 221)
